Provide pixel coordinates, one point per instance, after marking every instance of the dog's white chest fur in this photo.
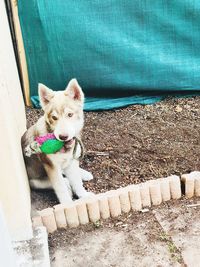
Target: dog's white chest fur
(62, 159)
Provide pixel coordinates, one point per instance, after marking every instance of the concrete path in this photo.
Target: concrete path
(182, 223)
(168, 235)
(114, 248)
(33, 253)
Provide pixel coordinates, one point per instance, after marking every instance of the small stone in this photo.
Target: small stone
(178, 109)
(144, 210)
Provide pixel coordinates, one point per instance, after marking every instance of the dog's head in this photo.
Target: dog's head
(63, 110)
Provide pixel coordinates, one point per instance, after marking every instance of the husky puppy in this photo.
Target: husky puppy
(63, 116)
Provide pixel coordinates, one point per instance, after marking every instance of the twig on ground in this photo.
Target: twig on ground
(97, 153)
(193, 205)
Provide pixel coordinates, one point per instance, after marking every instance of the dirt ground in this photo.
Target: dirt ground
(134, 144)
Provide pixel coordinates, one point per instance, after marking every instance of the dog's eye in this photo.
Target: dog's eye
(54, 118)
(70, 115)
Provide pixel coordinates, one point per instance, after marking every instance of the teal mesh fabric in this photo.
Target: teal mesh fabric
(121, 51)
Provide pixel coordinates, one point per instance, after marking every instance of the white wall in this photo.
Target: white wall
(14, 189)
(7, 256)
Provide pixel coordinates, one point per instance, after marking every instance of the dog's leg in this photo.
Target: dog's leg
(75, 179)
(46, 184)
(85, 175)
(67, 184)
(58, 182)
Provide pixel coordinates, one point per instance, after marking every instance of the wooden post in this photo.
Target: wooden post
(21, 53)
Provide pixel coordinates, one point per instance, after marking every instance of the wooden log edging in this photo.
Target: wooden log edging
(115, 202)
(192, 184)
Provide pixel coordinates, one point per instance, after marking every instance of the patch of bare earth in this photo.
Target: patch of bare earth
(142, 142)
(136, 143)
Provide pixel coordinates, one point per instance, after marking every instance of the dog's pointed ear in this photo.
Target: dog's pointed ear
(74, 90)
(45, 94)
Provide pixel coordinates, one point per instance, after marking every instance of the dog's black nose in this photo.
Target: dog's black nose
(63, 137)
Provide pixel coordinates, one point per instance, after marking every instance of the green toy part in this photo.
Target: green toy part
(51, 146)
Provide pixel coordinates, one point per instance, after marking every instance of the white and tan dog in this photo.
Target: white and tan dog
(63, 116)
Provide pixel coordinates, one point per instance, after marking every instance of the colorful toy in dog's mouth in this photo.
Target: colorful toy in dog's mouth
(48, 144)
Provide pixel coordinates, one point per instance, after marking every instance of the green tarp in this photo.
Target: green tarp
(121, 51)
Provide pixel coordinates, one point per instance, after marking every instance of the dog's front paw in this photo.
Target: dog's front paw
(86, 176)
(64, 197)
(87, 194)
(27, 151)
(33, 148)
(66, 201)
